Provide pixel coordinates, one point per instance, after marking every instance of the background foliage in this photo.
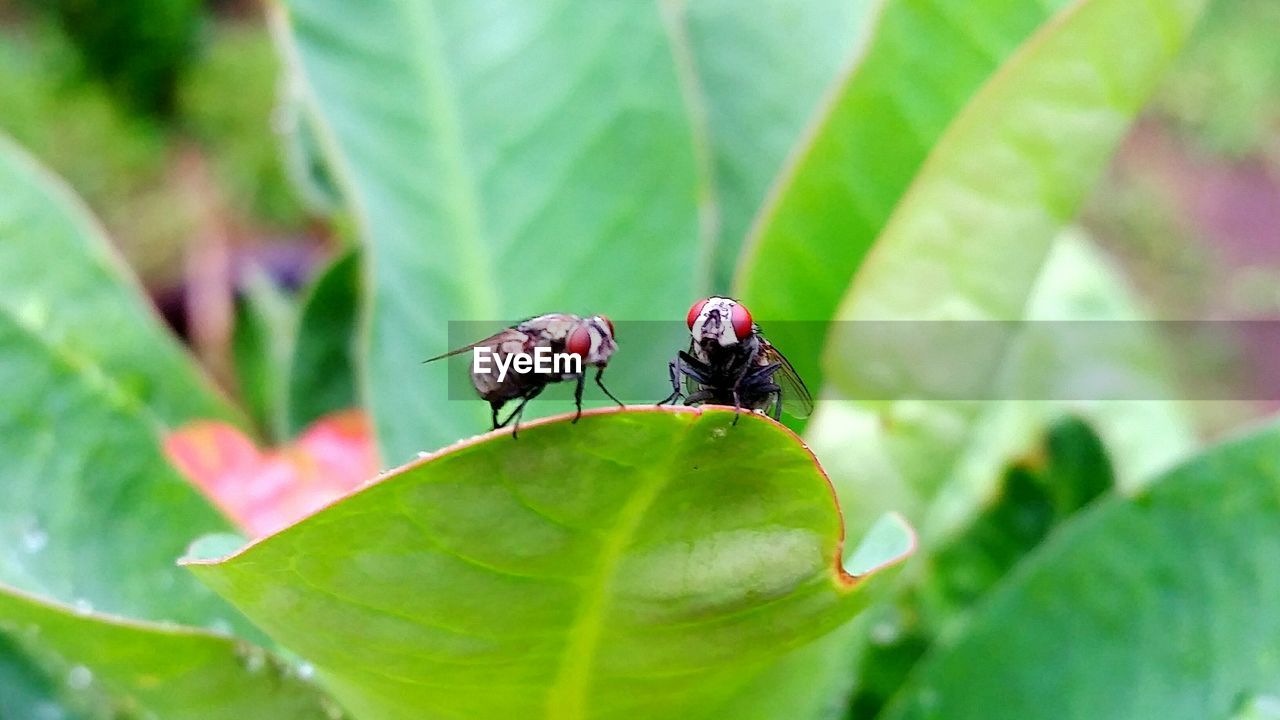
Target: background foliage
(312, 190)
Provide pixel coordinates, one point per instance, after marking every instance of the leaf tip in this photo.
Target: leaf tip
(889, 542)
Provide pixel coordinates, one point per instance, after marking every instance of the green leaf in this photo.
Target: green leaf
(810, 683)
(323, 373)
(755, 93)
(25, 691)
(938, 461)
(63, 285)
(977, 225)
(89, 383)
(1160, 606)
(168, 671)
(1036, 494)
(90, 511)
(305, 164)
(923, 63)
(634, 564)
(974, 233)
(262, 345)
(503, 158)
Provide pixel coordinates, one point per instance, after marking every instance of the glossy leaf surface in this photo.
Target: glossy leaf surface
(635, 564)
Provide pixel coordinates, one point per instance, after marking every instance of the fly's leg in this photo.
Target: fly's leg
(519, 411)
(600, 382)
(673, 370)
(510, 416)
(494, 407)
(515, 428)
(577, 397)
(750, 376)
(760, 381)
(684, 364)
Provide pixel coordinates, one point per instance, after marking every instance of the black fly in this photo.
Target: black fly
(557, 334)
(730, 363)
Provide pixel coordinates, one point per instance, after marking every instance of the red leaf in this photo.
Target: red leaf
(264, 491)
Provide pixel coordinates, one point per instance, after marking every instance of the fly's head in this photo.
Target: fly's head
(592, 340)
(719, 323)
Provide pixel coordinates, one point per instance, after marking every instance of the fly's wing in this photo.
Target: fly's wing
(796, 399)
(493, 341)
(691, 386)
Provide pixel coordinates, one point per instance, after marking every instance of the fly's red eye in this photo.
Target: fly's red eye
(741, 321)
(608, 323)
(694, 312)
(579, 342)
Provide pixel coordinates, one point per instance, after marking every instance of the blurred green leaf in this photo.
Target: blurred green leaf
(229, 105)
(120, 668)
(1036, 494)
(63, 285)
(90, 511)
(968, 242)
(941, 463)
(754, 90)
(924, 61)
(971, 236)
(262, 346)
(139, 48)
(323, 373)
(25, 691)
(1154, 607)
(936, 461)
(90, 382)
(1226, 89)
(635, 564)
(304, 160)
(809, 683)
(503, 158)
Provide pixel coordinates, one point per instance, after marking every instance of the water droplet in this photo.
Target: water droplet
(719, 432)
(34, 538)
(252, 657)
(331, 709)
(884, 633)
(423, 453)
(79, 678)
(47, 711)
(927, 698)
(220, 626)
(33, 313)
(82, 606)
(306, 671)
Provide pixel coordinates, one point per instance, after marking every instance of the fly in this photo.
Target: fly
(558, 334)
(729, 362)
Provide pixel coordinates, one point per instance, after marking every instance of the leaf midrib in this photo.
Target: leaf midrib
(465, 197)
(91, 374)
(567, 696)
